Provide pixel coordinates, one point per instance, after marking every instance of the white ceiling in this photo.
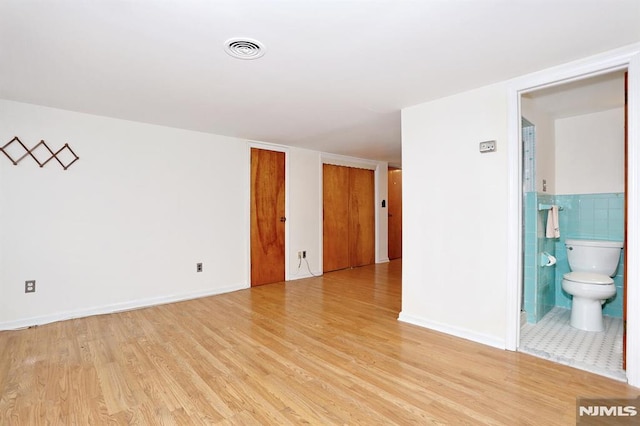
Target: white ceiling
(585, 96)
(335, 74)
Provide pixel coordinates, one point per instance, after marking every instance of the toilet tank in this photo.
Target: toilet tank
(597, 256)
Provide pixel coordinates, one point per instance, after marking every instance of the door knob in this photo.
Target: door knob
(283, 219)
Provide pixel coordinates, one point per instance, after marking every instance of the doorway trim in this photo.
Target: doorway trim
(623, 58)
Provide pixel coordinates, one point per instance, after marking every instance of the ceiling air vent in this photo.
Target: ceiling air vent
(244, 48)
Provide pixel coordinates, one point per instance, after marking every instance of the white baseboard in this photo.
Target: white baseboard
(454, 331)
(116, 307)
(305, 275)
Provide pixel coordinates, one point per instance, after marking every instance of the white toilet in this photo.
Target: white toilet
(592, 263)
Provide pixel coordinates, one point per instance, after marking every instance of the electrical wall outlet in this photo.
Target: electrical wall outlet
(299, 255)
(30, 286)
(304, 254)
(198, 267)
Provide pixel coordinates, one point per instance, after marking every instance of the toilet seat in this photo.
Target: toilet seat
(588, 278)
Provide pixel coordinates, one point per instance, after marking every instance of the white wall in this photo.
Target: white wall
(123, 226)
(462, 248)
(455, 206)
(590, 153)
(305, 209)
(545, 167)
(126, 224)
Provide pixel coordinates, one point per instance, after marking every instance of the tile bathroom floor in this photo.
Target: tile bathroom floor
(554, 339)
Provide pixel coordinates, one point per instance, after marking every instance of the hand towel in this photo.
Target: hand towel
(553, 225)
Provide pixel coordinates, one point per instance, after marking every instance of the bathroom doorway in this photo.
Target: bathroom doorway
(573, 157)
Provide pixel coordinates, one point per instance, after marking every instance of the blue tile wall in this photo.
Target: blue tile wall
(539, 281)
(528, 157)
(590, 216)
(530, 251)
(585, 216)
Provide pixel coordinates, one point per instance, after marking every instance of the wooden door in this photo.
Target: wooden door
(362, 221)
(394, 210)
(267, 216)
(335, 225)
(348, 217)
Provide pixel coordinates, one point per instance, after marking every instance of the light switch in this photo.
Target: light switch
(487, 146)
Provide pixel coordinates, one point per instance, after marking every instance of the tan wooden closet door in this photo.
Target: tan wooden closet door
(394, 211)
(335, 224)
(361, 217)
(267, 216)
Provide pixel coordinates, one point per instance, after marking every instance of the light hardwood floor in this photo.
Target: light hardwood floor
(326, 350)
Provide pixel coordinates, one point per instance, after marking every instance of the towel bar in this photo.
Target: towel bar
(548, 207)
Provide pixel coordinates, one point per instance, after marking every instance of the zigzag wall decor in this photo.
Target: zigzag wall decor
(65, 150)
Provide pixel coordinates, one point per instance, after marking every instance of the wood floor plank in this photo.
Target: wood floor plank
(325, 350)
